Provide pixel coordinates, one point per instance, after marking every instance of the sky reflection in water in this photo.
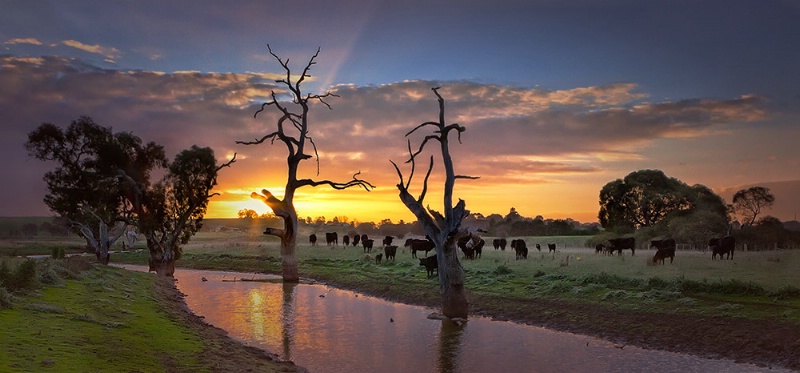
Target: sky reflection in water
(329, 330)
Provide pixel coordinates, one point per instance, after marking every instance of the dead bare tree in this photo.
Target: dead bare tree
(295, 141)
(443, 230)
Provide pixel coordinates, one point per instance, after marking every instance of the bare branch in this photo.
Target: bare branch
(425, 182)
(228, 163)
(423, 125)
(467, 177)
(352, 183)
(422, 145)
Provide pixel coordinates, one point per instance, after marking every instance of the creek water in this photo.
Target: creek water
(325, 329)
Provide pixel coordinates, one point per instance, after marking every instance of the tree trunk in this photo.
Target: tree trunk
(454, 294)
(288, 249)
(162, 260)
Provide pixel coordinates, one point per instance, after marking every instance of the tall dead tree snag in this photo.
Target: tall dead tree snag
(444, 230)
(292, 131)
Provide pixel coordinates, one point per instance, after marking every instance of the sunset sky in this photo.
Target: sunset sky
(558, 97)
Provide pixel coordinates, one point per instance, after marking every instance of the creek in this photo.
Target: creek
(329, 330)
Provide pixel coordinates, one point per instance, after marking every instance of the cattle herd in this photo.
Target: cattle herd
(472, 248)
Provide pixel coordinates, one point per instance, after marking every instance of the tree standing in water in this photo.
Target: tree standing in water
(293, 131)
(444, 230)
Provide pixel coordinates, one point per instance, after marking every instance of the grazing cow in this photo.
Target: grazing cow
(332, 238)
(620, 244)
(378, 258)
(345, 240)
(479, 248)
(313, 239)
(419, 245)
(430, 263)
(503, 244)
(467, 247)
(387, 240)
(722, 246)
(521, 248)
(364, 237)
(551, 247)
(599, 248)
(356, 238)
(367, 244)
(496, 243)
(390, 251)
(664, 249)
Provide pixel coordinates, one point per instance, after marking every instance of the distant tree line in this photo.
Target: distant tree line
(648, 205)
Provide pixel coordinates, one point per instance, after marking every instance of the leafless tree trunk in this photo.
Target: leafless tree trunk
(292, 131)
(444, 230)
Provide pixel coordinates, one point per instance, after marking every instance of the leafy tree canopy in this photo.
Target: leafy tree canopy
(646, 197)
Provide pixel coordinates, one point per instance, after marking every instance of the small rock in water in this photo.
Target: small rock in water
(322, 295)
(391, 319)
(203, 279)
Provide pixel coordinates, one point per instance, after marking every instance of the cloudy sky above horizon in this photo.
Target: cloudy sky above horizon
(558, 97)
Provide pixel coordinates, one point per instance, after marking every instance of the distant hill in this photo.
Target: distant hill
(787, 197)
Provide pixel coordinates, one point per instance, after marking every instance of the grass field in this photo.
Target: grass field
(769, 269)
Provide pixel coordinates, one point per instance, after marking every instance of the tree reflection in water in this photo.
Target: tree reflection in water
(449, 346)
(287, 318)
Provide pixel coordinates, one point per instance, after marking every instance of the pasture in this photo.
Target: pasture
(769, 269)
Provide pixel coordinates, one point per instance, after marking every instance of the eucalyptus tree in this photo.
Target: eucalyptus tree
(292, 130)
(173, 208)
(443, 228)
(98, 178)
(751, 202)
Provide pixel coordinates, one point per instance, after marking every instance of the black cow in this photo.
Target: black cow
(521, 248)
(723, 246)
(364, 237)
(619, 244)
(503, 244)
(356, 238)
(313, 239)
(599, 248)
(551, 247)
(367, 244)
(345, 240)
(387, 240)
(390, 251)
(430, 263)
(496, 243)
(419, 245)
(332, 238)
(664, 249)
(378, 258)
(479, 248)
(467, 247)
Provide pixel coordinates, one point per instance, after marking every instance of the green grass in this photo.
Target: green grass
(104, 322)
(760, 284)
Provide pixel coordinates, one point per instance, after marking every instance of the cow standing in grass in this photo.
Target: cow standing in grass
(664, 249)
(722, 246)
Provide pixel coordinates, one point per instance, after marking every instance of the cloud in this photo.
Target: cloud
(32, 41)
(109, 53)
(514, 137)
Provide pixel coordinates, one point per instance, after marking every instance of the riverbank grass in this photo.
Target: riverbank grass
(107, 321)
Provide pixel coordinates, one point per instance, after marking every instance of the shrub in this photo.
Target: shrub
(5, 298)
(58, 253)
(25, 275)
(502, 270)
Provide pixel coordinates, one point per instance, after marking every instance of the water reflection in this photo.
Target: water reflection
(330, 330)
(449, 346)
